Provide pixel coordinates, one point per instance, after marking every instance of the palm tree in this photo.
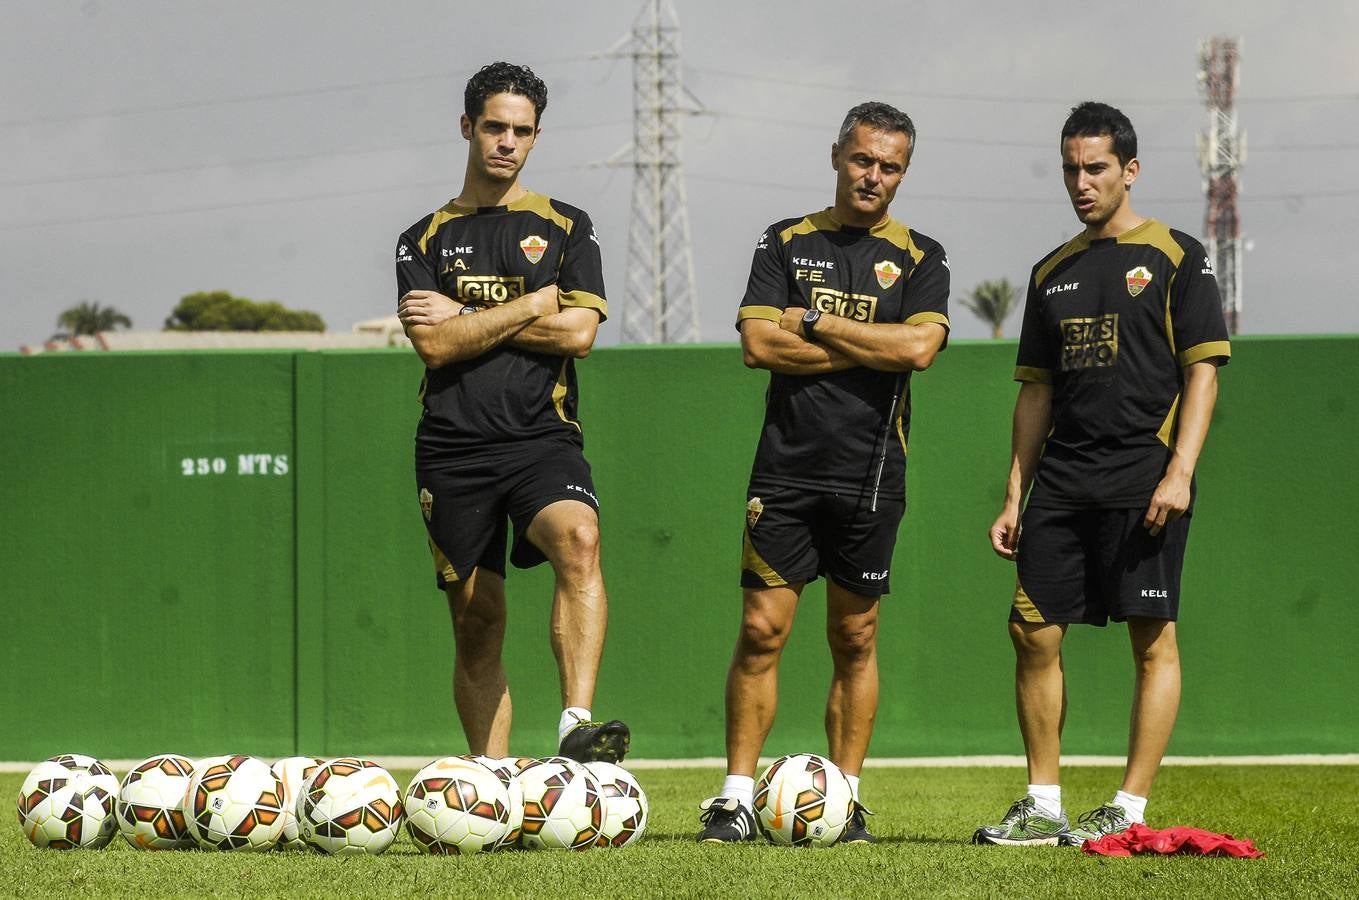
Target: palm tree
(992, 302)
(88, 318)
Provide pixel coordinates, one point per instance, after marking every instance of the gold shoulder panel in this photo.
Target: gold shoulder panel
(447, 213)
(1155, 234)
(899, 236)
(1079, 244)
(818, 221)
(541, 206)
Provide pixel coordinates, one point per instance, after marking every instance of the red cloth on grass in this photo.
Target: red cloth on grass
(1189, 841)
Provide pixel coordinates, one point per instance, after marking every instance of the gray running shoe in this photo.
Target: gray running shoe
(1023, 826)
(1108, 819)
(725, 821)
(856, 832)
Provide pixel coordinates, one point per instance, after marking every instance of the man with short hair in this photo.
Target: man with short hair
(842, 305)
(1122, 337)
(500, 290)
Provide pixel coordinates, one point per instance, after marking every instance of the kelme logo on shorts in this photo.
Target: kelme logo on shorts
(426, 503)
(533, 247)
(887, 272)
(1138, 279)
(753, 510)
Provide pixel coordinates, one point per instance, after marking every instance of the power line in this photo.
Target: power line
(272, 160)
(183, 105)
(843, 87)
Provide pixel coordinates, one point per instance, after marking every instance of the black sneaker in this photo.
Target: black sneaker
(856, 832)
(725, 821)
(596, 742)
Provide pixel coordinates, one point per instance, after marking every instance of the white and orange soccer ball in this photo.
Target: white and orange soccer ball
(803, 800)
(67, 803)
(563, 805)
(234, 803)
(349, 807)
(457, 806)
(293, 771)
(151, 803)
(508, 769)
(625, 805)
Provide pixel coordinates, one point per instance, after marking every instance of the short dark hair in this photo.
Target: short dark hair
(1091, 119)
(880, 116)
(503, 78)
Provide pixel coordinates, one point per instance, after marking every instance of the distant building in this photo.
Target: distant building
(383, 332)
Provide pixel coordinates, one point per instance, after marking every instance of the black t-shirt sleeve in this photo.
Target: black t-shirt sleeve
(1198, 327)
(1037, 356)
(767, 291)
(414, 269)
(580, 280)
(927, 289)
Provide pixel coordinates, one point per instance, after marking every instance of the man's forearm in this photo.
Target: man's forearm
(887, 347)
(788, 354)
(1196, 413)
(1032, 421)
(570, 332)
(466, 337)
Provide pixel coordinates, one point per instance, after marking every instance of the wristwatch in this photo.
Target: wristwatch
(809, 320)
(468, 309)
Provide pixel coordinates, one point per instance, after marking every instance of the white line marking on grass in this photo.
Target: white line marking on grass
(903, 762)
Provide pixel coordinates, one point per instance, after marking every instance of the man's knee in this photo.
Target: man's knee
(573, 547)
(762, 634)
(478, 612)
(852, 644)
(1036, 643)
(1153, 643)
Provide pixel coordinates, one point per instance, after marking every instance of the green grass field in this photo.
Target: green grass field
(1305, 818)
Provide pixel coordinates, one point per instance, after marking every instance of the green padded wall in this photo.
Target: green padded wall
(149, 610)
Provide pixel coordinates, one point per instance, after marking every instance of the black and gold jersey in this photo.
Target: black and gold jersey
(487, 256)
(828, 432)
(1110, 324)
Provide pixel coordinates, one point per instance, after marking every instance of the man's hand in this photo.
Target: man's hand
(1005, 533)
(426, 308)
(792, 320)
(544, 301)
(1168, 503)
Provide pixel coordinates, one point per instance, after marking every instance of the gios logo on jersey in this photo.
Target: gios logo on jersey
(1089, 342)
(859, 307)
(486, 289)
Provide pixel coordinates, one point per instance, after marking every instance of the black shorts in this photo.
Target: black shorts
(1093, 565)
(466, 504)
(793, 535)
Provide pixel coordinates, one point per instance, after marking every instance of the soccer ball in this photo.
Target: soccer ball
(563, 805)
(67, 802)
(348, 807)
(293, 771)
(508, 770)
(456, 805)
(803, 800)
(234, 803)
(151, 804)
(625, 806)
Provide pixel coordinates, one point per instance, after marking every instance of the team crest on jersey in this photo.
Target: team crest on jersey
(887, 272)
(426, 503)
(533, 247)
(1138, 279)
(753, 510)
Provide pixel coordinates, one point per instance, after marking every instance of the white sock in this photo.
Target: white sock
(570, 717)
(853, 786)
(740, 788)
(1134, 806)
(1047, 799)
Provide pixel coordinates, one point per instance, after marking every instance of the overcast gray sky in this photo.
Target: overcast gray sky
(276, 150)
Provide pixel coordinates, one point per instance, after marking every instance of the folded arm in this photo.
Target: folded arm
(441, 335)
(764, 345)
(570, 332)
(887, 347)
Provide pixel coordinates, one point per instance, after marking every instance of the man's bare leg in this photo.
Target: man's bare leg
(852, 632)
(567, 532)
(753, 679)
(1156, 700)
(1040, 696)
(480, 690)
